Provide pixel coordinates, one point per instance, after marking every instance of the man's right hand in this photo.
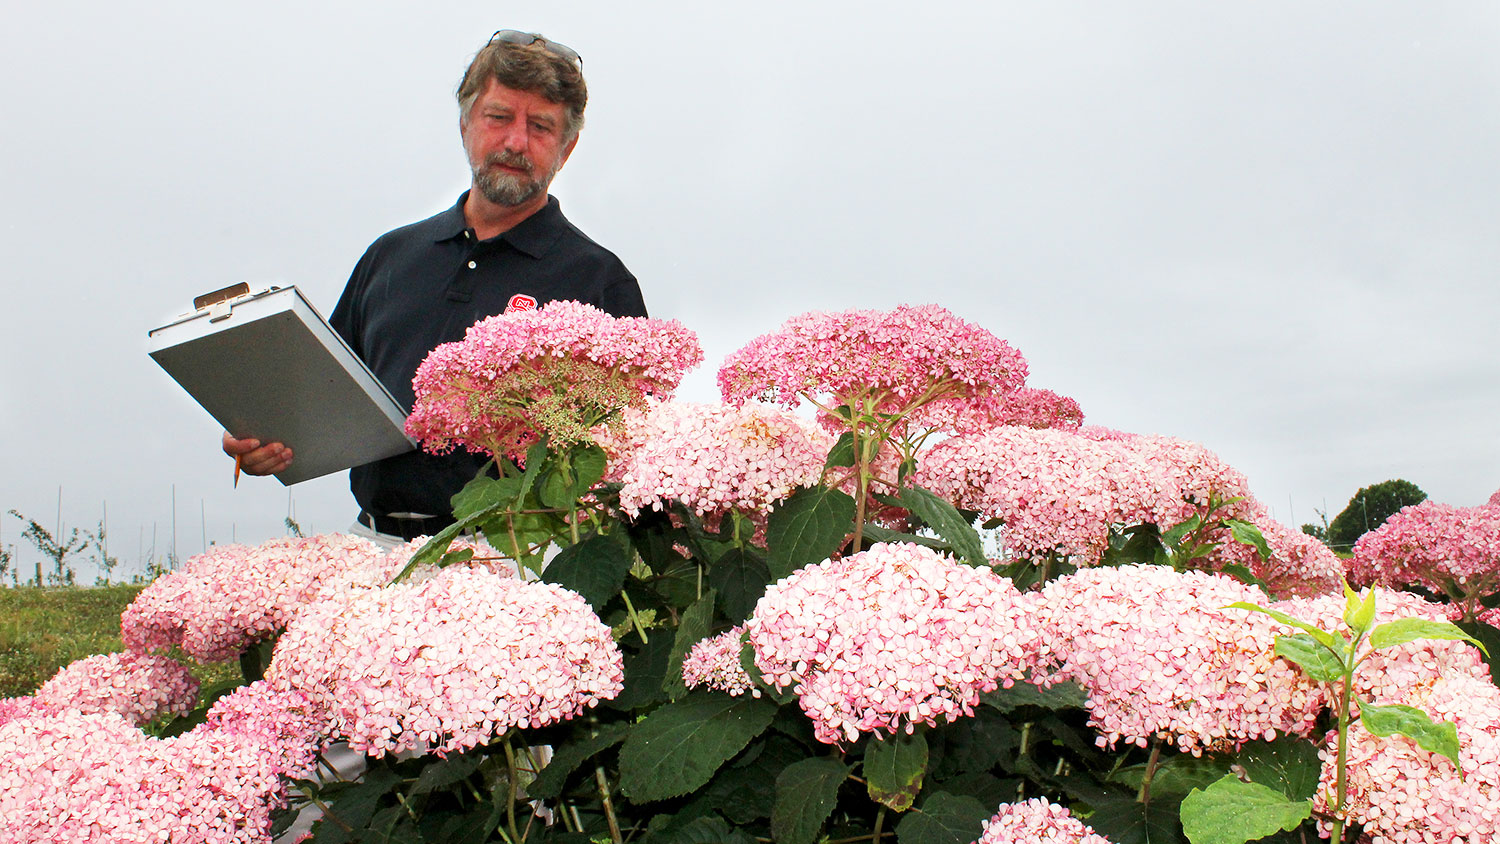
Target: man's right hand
(257, 459)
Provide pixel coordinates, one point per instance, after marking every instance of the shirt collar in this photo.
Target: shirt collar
(533, 235)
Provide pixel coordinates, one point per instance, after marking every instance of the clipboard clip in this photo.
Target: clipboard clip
(220, 303)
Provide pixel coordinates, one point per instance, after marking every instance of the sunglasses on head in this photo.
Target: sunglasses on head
(526, 39)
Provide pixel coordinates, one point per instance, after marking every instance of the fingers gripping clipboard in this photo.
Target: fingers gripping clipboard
(267, 365)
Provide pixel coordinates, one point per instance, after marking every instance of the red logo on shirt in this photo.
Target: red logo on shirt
(520, 302)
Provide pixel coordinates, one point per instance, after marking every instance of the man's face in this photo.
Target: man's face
(516, 141)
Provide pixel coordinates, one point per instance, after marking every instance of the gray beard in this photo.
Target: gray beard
(505, 189)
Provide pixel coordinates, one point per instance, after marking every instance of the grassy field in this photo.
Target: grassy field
(41, 630)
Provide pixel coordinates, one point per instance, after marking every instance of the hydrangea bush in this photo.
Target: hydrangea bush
(675, 623)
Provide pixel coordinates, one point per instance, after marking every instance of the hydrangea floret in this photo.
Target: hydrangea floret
(714, 663)
(553, 372)
(889, 638)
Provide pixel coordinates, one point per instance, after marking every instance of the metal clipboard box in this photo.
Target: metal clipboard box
(267, 365)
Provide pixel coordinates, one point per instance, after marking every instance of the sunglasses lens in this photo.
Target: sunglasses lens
(526, 39)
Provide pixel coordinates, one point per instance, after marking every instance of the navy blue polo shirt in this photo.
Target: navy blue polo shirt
(423, 285)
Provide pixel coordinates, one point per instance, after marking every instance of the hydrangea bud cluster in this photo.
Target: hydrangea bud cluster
(447, 663)
(1058, 492)
(1037, 821)
(227, 599)
(714, 663)
(1402, 794)
(916, 360)
(137, 687)
(556, 371)
(1160, 657)
(888, 638)
(716, 458)
(1451, 550)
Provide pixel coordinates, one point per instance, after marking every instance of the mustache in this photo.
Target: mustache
(509, 159)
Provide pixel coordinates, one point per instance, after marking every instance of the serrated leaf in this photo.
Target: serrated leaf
(677, 748)
(482, 494)
(588, 465)
(350, 812)
(1288, 764)
(567, 757)
(894, 768)
(1175, 776)
(740, 577)
(442, 773)
(805, 795)
(842, 453)
(1439, 737)
(697, 621)
(1404, 630)
(1247, 533)
(1320, 635)
(1068, 695)
(944, 818)
(944, 518)
(1174, 535)
(876, 533)
(1122, 820)
(1233, 812)
(594, 568)
(1319, 663)
(807, 527)
(974, 744)
(708, 830)
(644, 672)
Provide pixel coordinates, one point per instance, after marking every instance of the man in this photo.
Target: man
(505, 246)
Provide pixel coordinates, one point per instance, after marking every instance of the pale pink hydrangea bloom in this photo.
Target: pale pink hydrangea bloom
(888, 638)
(96, 779)
(138, 687)
(1450, 550)
(447, 663)
(283, 722)
(233, 596)
(1391, 673)
(913, 357)
(1059, 492)
(715, 664)
(1161, 657)
(1037, 821)
(1299, 564)
(1033, 407)
(1402, 794)
(515, 377)
(716, 458)
(1494, 499)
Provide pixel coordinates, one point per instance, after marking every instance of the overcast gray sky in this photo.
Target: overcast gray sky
(1271, 227)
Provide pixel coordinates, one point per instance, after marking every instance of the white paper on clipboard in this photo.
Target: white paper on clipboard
(267, 365)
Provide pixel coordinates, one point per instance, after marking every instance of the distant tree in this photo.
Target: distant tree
(1369, 508)
(105, 561)
(55, 548)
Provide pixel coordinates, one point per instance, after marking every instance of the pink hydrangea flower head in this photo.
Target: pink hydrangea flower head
(138, 687)
(1450, 550)
(714, 663)
(97, 779)
(1037, 821)
(1299, 564)
(556, 371)
(449, 662)
(888, 638)
(283, 722)
(1402, 794)
(1161, 657)
(715, 458)
(917, 360)
(227, 599)
(1033, 407)
(1059, 492)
